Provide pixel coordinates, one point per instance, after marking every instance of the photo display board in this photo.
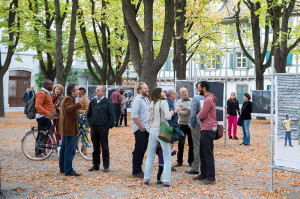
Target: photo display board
(261, 102)
(217, 88)
(287, 103)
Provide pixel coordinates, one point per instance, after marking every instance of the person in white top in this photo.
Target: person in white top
(158, 102)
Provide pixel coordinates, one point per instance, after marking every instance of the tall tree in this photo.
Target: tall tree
(195, 28)
(107, 37)
(285, 39)
(145, 63)
(40, 36)
(11, 26)
(62, 72)
(259, 51)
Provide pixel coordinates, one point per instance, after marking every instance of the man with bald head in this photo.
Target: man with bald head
(184, 104)
(101, 117)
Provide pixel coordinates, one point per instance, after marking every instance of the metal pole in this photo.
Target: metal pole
(272, 126)
(225, 95)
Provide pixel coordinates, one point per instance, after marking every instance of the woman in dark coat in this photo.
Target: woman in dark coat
(246, 118)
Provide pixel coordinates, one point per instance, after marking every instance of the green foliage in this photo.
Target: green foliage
(39, 79)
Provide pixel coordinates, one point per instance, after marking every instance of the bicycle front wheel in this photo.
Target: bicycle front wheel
(37, 146)
(84, 145)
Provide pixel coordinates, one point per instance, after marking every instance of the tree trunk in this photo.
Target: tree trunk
(150, 78)
(58, 45)
(259, 78)
(2, 114)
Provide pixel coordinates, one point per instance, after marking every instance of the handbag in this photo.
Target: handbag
(220, 132)
(240, 121)
(165, 131)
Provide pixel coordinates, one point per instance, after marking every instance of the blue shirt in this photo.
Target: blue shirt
(195, 109)
(139, 110)
(171, 107)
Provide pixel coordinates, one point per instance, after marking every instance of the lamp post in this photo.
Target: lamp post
(127, 76)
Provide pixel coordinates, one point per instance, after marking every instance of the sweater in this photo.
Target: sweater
(102, 115)
(246, 110)
(116, 98)
(184, 116)
(232, 107)
(43, 105)
(155, 118)
(208, 114)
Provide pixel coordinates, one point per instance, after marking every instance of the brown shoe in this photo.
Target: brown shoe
(177, 164)
(83, 150)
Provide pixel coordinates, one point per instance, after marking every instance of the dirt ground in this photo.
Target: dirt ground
(241, 171)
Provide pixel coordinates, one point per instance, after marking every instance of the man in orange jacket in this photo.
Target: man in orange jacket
(44, 110)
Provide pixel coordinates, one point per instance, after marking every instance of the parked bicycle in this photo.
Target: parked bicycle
(48, 142)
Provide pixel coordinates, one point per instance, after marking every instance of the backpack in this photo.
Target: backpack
(29, 109)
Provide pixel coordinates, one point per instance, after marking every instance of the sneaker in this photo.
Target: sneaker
(166, 185)
(209, 182)
(146, 183)
(200, 178)
(291, 146)
(159, 182)
(235, 138)
(173, 169)
(230, 137)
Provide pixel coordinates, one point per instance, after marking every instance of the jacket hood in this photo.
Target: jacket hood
(211, 95)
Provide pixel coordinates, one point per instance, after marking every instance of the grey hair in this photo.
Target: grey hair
(169, 92)
(117, 88)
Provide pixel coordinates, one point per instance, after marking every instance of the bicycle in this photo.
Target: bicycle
(47, 143)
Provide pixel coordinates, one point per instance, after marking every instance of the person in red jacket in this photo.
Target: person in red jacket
(208, 118)
(44, 113)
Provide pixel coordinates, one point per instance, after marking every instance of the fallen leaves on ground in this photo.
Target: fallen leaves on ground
(241, 171)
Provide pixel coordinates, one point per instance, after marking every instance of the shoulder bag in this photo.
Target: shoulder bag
(165, 131)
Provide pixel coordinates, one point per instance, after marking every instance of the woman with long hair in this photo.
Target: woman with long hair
(246, 118)
(158, 112)
(57, 97)
(232, 110)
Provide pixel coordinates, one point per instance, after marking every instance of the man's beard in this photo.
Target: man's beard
(145, 93)
(201, 92)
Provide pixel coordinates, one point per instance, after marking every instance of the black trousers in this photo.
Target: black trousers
(117, 113)
(207, 167)
(187, 132)
(43, 124)
(160, 170)
(124, 115)
(141, 144)
(100, 142)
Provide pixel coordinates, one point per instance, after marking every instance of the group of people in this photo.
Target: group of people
(28, 94)
(196, 119)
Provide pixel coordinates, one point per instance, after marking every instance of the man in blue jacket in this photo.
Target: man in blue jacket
(171, 96)
(101, 117)
(195, 128)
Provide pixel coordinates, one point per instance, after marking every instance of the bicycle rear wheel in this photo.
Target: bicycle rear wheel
(37, 148)
(84, 145)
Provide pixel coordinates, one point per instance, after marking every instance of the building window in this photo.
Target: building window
(240, 90)
(241, 60)
(213, 63)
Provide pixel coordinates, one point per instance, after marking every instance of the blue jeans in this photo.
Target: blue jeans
(288, 137)
(167, 150)
(67, 153)
(246, 131)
